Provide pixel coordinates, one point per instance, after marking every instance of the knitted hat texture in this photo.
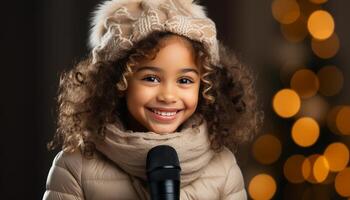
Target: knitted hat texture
(119, 24)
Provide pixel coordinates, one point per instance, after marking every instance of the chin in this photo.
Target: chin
(163, 130)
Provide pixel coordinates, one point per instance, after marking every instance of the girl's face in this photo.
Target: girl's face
(163, 92)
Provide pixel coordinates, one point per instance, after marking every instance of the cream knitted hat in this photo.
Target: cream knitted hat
(119, 24)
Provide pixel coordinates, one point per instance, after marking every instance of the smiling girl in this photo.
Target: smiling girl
(163, 92)
(156, 76)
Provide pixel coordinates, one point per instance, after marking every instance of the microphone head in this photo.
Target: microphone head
(163, 173)
(163, 163)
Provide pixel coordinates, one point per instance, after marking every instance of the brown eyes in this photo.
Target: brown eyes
(185, 81)
(155, 79)
(151, 79)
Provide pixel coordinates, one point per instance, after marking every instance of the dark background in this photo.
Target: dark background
(41, 38)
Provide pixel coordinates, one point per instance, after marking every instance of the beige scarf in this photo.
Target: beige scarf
(129, 149)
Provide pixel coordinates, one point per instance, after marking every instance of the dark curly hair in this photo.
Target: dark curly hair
(91, 94)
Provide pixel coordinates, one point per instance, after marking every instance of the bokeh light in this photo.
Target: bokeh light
(343, 120)
(315, 168)
(331, 80)
(337, 155)
(321, 169)
(305, 131)
(296, 31)
(331, 119)
(285, 11)
(306, 170)
(267, 149)
(321, 24)
(342, 182)
(326, 48)
(286, 103)
(262, 187)
(305, 83)
(292, 169)
(308, 173)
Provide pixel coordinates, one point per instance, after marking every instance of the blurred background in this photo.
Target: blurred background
(298, 49)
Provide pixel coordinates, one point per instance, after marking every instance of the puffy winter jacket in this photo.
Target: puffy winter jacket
(72, 176)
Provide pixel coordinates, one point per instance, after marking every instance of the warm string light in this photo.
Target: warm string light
(286, 103)
(342, 120)
(338, 120)
(337, 155)
(315, 168)
(327, 48)
(305, 83)
(342, 182)
(305, 131)
(262, 186)
(320, 24)
(305, 101)
(331, 80)
(285, 11)
(292, 169)
(296, 31)
(267, 149)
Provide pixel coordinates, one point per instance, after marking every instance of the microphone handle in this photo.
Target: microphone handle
(165, 190)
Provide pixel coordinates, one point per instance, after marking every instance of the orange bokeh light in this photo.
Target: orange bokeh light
(321, 24)
(305, 83)
(286, 103)
(285, 11)
(321, 169)
(305, 131)
(315, 168)
(331, 119)
(296, 31)
(331, 80)
(342, 182)
(292, 169)
(326, 48)
(262, 186)
(267, 149)
(337, 155)
(343, 120)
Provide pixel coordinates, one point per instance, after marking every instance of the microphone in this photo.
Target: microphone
(163, 173)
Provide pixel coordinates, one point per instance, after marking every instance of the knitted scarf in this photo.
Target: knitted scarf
(129, 149)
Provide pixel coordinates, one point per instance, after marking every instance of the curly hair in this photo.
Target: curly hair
(91, 94)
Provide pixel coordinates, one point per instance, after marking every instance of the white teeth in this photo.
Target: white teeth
(164, 113)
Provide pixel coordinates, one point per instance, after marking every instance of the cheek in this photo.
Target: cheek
(190, 98)
(136, 94)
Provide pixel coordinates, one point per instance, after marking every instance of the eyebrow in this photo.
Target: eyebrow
(156, 69)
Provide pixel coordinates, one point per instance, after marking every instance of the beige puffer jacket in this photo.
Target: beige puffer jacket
(74, 177)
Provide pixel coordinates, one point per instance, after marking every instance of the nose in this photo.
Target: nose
(167, 94)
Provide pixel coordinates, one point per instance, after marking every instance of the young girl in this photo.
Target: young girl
(156, 76)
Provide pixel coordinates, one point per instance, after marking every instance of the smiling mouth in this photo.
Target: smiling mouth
(164, 113)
